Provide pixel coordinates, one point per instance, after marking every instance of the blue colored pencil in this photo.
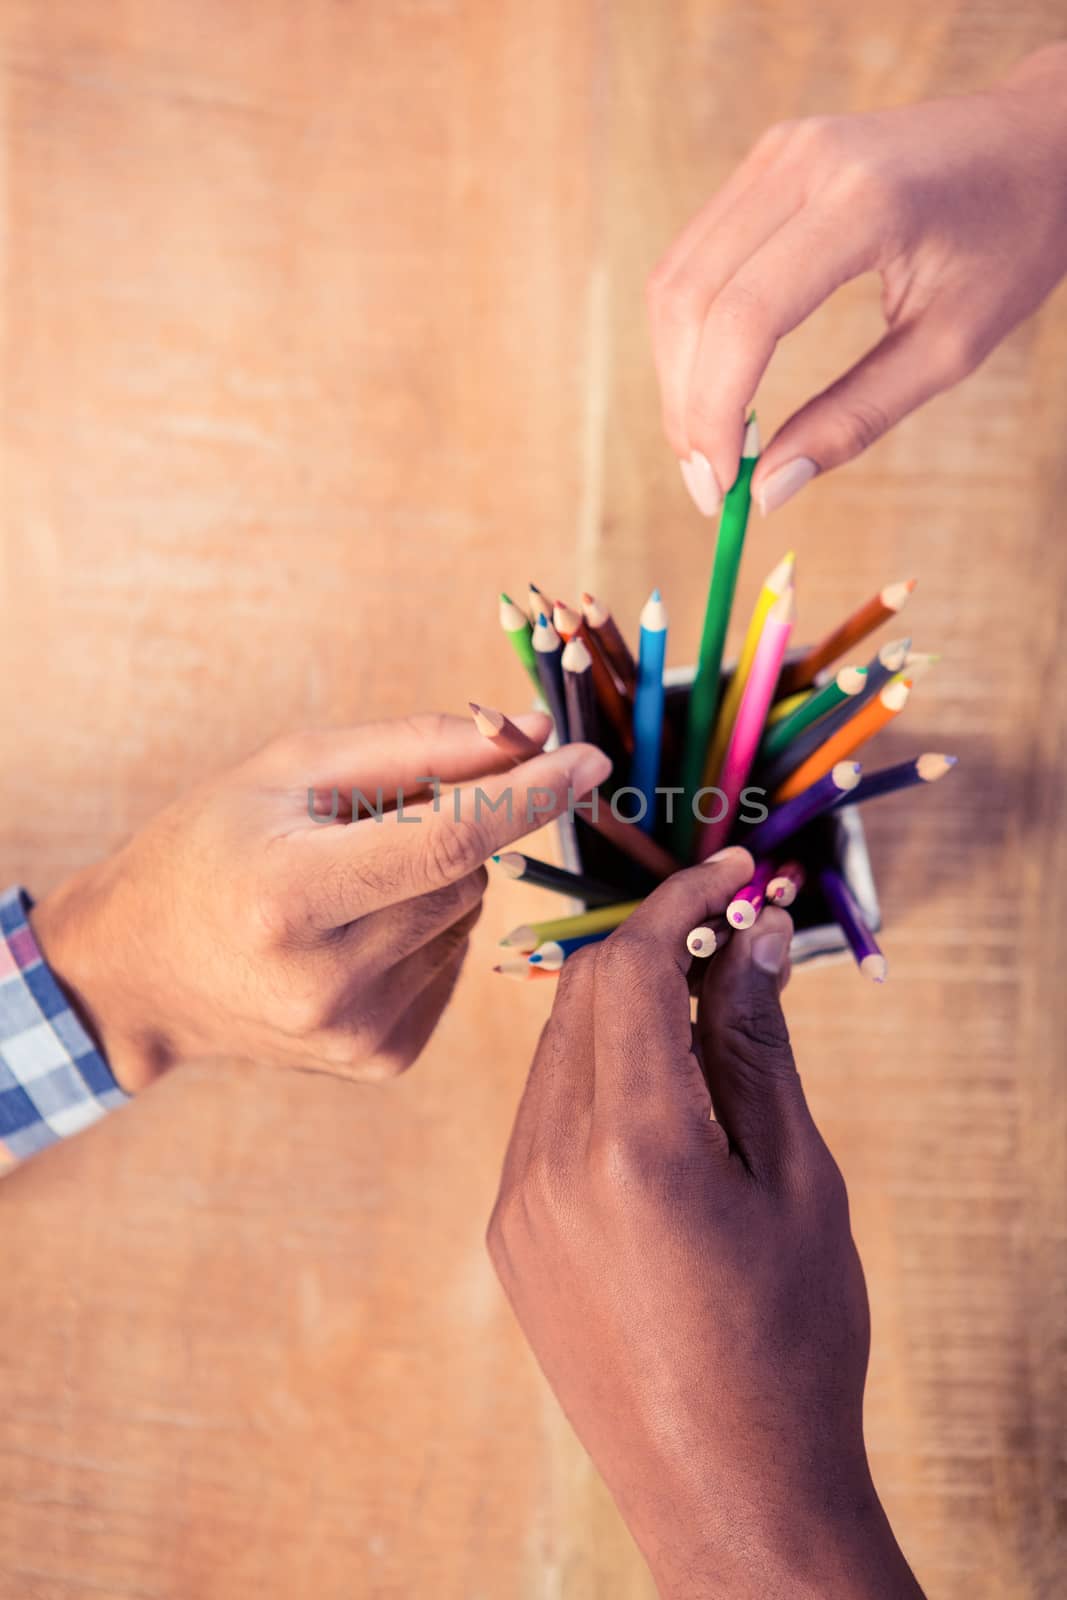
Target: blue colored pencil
(648, 705)
(548, 653)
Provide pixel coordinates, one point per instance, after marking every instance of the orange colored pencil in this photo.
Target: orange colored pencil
(799, 674)
(856, 731)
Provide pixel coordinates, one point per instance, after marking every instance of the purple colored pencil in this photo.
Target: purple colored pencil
(786, 819)
(844, 910)
(747, 903)
(926, 768)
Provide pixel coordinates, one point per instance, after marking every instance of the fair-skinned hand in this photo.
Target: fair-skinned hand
(960, 205)
(236, 924)
(690, 1287)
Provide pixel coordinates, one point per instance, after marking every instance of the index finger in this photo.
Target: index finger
(644, 1039)
(352, 869)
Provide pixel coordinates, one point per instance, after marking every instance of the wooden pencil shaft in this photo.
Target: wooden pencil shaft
(598, 920)
(549, 653)
(612, 643)
(847, 914)
(617, 710)
(904, 775)
(582, 719)
(799, 674)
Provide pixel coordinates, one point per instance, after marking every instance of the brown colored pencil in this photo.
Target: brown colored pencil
(503, 733)
(799, 674)
(611, 641)
(616, 707)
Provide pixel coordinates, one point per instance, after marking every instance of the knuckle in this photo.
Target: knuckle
(455, 851)
(622, 961)
(677, 302)
(819, 136)
(954, 352)
(758, 1036)
(741, 310)
(860, 425)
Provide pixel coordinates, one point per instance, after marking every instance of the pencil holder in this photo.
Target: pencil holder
(836, 839)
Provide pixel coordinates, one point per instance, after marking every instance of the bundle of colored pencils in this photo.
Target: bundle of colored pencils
(759, 754)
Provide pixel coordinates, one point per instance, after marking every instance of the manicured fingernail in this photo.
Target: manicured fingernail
(783, 484)
(702, 483)
(589, 770)
(769, 952)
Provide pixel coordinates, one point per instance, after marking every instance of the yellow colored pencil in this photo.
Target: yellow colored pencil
(786, 707)
(774, 586)
(530, 934)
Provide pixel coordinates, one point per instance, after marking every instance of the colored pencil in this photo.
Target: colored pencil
(565, 620)
(786, 707)
(917, 664)
(847, 914)
(520, 968)
(503, 733)
(536, 603)
(929, 768)
(528, 935)
(877, 673)
(786, 882)
(582, 720)
(863, 726)
(751, 717)
(518, 631)
(774, 586)
(648, 706)
(703, 942)
(545, 875)
(783, 822)
(632, 841)
(704, 694)
(615, 706)
(642, 849)
(553, 953)
(615, 649)
(847, 635)
(548, 652)
(747, 903)
(848, 683)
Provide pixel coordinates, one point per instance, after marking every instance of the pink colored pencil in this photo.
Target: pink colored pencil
(785, 883)
(747, 903)
(751, 718)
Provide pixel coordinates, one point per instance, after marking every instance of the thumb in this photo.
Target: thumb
(744, 1045)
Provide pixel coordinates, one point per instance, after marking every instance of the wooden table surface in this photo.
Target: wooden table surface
(320, 321)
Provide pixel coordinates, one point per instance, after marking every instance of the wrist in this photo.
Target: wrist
(82, 939)
(848, 1552)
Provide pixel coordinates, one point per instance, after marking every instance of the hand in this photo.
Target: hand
(690, 1287)
(960, 205)
(236, 923)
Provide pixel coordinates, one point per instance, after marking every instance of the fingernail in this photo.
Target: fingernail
(783, 484)
(769, 952)
(702, 483)
(590, 769)
(720, 855)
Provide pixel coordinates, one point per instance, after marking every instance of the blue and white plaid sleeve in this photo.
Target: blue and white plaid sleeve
(53, 1079)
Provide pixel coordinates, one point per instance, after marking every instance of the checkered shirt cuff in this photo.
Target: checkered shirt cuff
(53, 1079)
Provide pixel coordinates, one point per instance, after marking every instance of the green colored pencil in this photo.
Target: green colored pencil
(518, 630)
(704, 695)
(848, 682)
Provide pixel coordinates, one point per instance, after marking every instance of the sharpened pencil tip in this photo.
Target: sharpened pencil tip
(656, 595)
(542, 620)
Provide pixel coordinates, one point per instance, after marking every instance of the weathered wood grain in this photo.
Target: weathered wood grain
(320, 321)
